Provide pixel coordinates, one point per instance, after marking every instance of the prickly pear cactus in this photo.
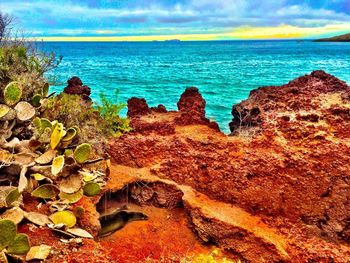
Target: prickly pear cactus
(82, 152)
(14, 243)
(70, 134)
(12, 93)
(36, 100)
(48, 165)
(4, 109)
(57, 135)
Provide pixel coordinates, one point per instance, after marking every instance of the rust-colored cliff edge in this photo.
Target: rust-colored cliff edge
(276, 189)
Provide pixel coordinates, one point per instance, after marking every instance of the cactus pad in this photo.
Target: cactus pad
(46, 191)
(12, 93)
(39, 253)
(46, 157)
(71, 184)
(8, 231)
(64, 217)
(57, 165)
(71, 198)
(25, 111)
(56, 135)
(39, 177)
(91, 189)
(19, 246)
(36, 100)
(15, 214)
(70, 134)
(37, 218)
(82, 152)
(12, 196)
(4, 109)
(45, 123)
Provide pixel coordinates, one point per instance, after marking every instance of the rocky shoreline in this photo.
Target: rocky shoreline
(277, 189)
(286, 162)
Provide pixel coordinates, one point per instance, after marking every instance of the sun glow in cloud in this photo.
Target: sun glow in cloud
(278, 32)
(287, 31)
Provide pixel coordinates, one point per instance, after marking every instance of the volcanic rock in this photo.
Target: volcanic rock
(192, 108)
(286, 162)
(75, 86)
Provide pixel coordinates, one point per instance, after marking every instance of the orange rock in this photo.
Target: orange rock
(287, 160)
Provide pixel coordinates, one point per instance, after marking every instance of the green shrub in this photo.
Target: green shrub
(98, 121)
(20, 60)
(25, 65)
(69, 109)
(113, 123)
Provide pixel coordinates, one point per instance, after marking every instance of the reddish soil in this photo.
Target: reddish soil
(165, 235)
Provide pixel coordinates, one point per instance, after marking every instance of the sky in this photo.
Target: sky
(146, 20)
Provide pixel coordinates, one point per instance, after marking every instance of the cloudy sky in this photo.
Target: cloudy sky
(183, 19)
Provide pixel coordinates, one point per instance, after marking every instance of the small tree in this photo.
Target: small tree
(6, 22)
(21, 61)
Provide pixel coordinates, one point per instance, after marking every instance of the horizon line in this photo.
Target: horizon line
(281, 32)
(172, 41)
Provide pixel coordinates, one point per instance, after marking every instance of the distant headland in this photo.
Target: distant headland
(172, 40)
(341, 38)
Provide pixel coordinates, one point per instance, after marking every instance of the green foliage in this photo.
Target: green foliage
(20, 245)
(69, 109)
(23, 64)
(113, 124)
(46, 191)
(17, 244)
(93, 121)
(8, 231)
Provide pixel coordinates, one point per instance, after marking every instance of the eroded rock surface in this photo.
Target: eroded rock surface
(286, 163)
(214, 222)
(75, 86)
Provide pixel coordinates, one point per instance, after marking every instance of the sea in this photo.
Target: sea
(224, 71)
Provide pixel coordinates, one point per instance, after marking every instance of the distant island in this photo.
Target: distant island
(341, 38)
(172, 40)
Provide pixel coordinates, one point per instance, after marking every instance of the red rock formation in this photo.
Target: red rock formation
(191, 111)
(75, 86)
(297, 95)
(287, 163)
(137, 107)
(192, 108)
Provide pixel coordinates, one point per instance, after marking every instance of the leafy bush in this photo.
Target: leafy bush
(69, 109)
(20, 61)
(113, 123)
(96, 122)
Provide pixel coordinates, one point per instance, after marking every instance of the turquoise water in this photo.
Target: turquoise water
(225, 72)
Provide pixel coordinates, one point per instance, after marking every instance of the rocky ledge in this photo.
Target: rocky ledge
(276, 189)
